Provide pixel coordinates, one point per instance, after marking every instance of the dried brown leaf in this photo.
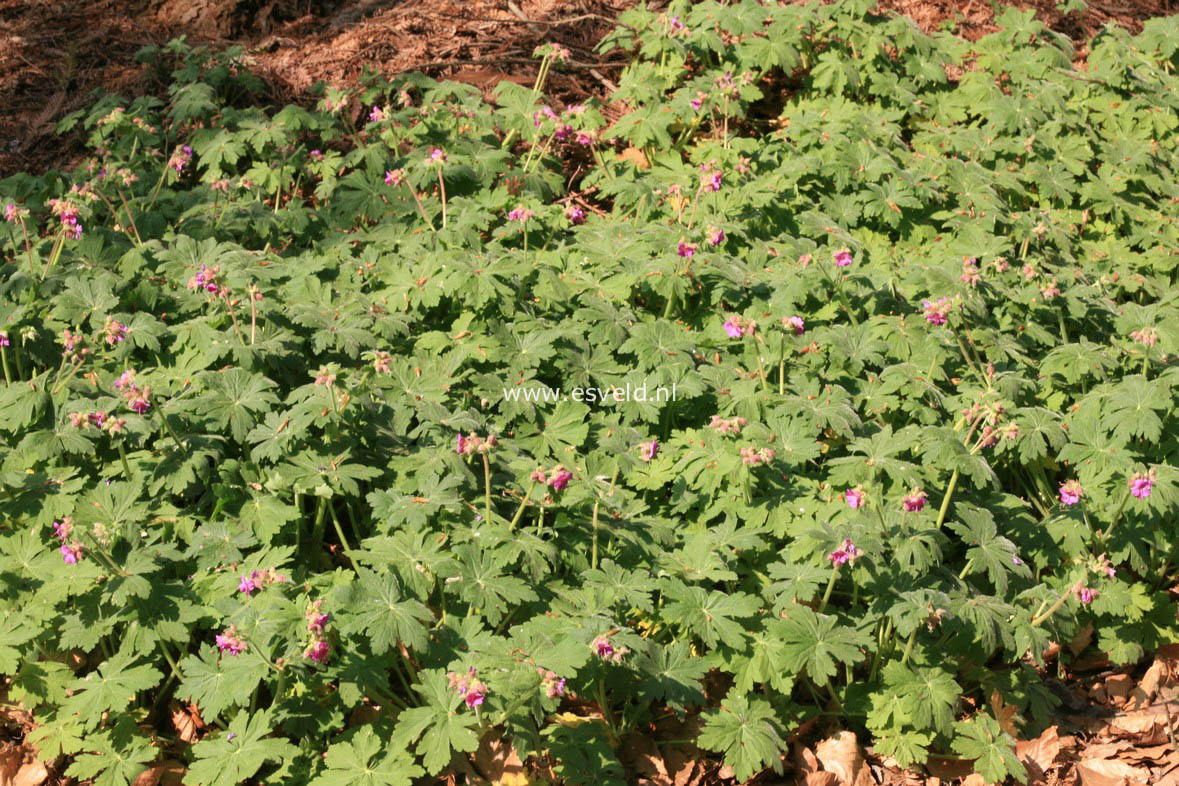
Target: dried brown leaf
(497, 761)
(841, 755)
(1111, 772)
(32, 774)
(1038, 755)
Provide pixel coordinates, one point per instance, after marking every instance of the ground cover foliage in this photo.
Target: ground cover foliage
(916, 297)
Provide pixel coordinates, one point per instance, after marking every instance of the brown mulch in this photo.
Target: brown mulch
(54, 53)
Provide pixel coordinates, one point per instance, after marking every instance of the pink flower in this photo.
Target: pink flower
(732, 329)
(4, 342)
(1147, 336)
(10, 213)
(605, 649)
(937, 313)
(138, 403)
(246, 585)
(394, 177)
(914, 501)
(554, 686)
(469, 687)
(854, 497)
(649, 449)
(63, 528)
(795, 323)
(473, 698)
(716, 236)
(462, 445)
(1141, 483)
(843, 258)
(318, 622)
(1086, 595)
(559, 478)
(520, 214)
(317, 155)
(712, 180)
(575, 214)
(730, 426)
(752, 457)
(698, 101)
(970, 274)
(376, 115)
(845, 553)
(437, 156)
(1050, 290)
(1071, 492)
(687, 250)
(71, 552)
(318, 651)
(230, 642)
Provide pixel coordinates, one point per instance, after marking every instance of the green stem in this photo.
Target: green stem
(830, 586)
(909, 645)
(520, 510)
(123, 458)
(487, 486)
(1059, 602)
(597, 503)
(442, 190)
(7, 374)
(941, 514)
(1116, 516)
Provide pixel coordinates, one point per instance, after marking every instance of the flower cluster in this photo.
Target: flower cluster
(847, 552)
(1071, 492)
(136, 397)
(394, 177)
(13, 213)
(794, 323)
(715, 236)
(1141, 483)
(843, 258)
(317, 620)
(230, 641)
(470, 687)
(557, 478)
(67, 212)
(1086, 595)
(72, 346)
(727, 426)
(257, 579)
(1147, 336)
(208, 279)
(605, 649)
(970, 275)
(554, 686)
(465, 446)
(737, 326)
(914, 501)
(520, 214)
(114, 331)
(938, 313)
(437, 156)
(648, 450)
(71, 548)
(98, 419)
(180, 158)
(686, 250)
(855, 497)
(575, 214)
(751, 457)
(711, 179)
(378, 114)
(557, 52)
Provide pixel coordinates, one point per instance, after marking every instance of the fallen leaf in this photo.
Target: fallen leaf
(1005, 714)
(1118, 687)
(1081, 640)
(497, 761)
(841, 755)
(1110, 772)
(32, 774)
(1039, 754)
(1105, 750)
(974, 779)
(150, 777)
(635, 156)
(822, 778)
(183, 722)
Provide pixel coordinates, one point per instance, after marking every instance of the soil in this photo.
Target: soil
(55, 53)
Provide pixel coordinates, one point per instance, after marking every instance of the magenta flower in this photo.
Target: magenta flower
(462, 445)
(648, 450)
(843, 258)
(795, 323)
(575, 214)
(377, 114)
(939, 312)
(318, 622)
(698, 101)
(732, 329)
(716, 236)
(4, 342)
(318, 651)
(712, 180)
(605, 649)
(63, 528)
(316, 155)
(559, 478)
(139, 403)
(437, 156)
(246, 585)
(473, 698)
(520, 214)
(71, 552)
(914, 501)
(584, 139)
(1086, 595)
(553, 685)
(847, 552)
(1141, 483)
(230, 642)
(10, 213)
(1071, 492)
(687, 250)
(394, 177)
(469, 687)
(854, 497)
